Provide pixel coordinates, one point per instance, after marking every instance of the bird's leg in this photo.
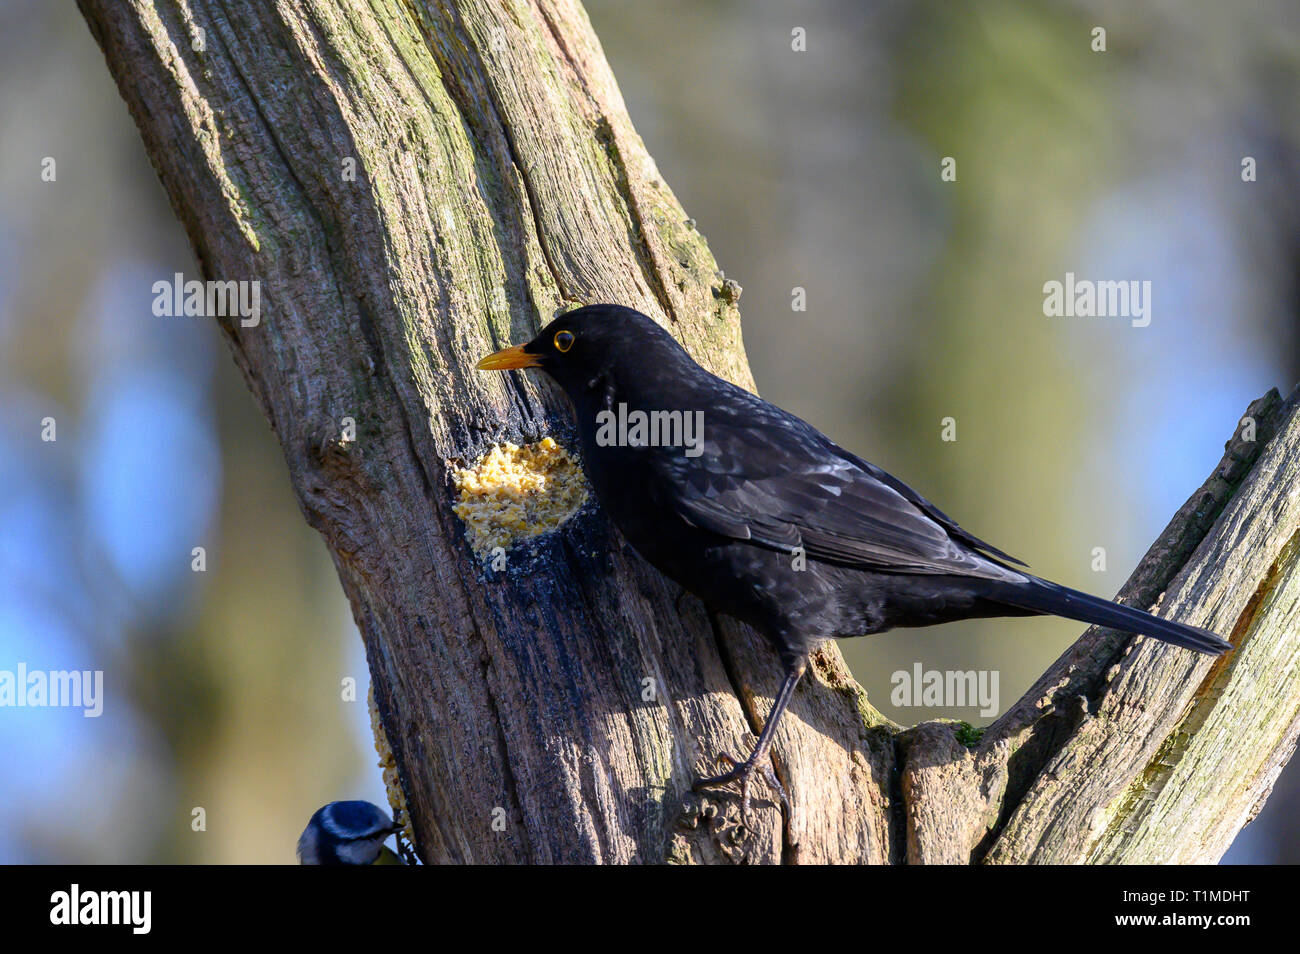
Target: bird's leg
(744, 771)
(404, 848)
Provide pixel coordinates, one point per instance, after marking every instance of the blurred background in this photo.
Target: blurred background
(816, 170)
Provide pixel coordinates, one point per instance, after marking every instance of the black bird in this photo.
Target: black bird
(766, 519)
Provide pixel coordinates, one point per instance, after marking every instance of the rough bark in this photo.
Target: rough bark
(498, 179)
(1131, 750)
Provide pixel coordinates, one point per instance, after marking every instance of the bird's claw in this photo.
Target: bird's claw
(744, 773)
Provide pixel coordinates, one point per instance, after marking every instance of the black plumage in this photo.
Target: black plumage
(769, 521)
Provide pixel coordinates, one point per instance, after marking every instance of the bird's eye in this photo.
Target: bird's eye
(563, 341)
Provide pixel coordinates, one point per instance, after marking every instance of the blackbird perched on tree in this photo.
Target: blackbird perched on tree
(766, 519)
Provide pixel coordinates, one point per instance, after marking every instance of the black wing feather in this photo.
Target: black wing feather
(838, 507)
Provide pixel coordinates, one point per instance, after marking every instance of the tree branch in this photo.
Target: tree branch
(1130, 750)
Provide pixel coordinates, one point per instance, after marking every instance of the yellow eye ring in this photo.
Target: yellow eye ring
(563, 341)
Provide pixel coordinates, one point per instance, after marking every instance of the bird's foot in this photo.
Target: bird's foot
(744, 773)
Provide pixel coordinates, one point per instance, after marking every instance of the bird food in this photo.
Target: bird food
(514, 493)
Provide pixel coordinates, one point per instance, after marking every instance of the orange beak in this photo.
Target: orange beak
(509, 360)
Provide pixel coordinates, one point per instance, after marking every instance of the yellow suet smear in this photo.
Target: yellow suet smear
(514, 493)
(388, 765)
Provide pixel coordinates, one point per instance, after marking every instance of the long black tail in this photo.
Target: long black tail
(1056, 600)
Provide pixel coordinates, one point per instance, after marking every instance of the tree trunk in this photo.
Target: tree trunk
(415, 184)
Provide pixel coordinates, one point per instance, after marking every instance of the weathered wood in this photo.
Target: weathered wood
(1134, 751)
(498, 179)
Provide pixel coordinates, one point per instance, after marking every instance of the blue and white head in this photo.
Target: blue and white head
(346, 833)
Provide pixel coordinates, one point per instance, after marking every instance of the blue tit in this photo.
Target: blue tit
(348, 833)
